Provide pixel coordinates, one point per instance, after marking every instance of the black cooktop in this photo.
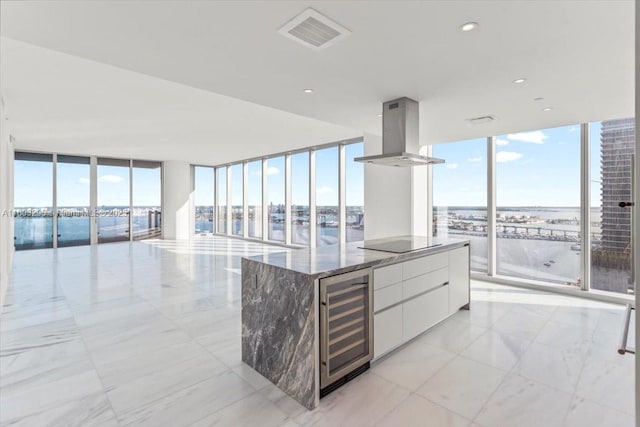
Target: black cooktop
(400, 244)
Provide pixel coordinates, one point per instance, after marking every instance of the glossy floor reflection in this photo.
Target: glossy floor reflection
(148, 334)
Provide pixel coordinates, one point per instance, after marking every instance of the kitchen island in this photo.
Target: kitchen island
(281, 304)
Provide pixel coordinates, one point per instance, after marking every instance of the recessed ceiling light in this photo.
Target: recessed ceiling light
(547, 109)
(379, 115)
(518, 81)
(469, 26)
(308, 91)
(538, 99)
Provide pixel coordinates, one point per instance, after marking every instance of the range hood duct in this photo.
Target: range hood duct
(400, 137)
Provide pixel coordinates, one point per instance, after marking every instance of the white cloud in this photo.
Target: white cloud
(500, 141)
(535, 137)
(272, 170)
(324, 190)
(451, 165)
(574, 129)
(474, 159)
(112, 179)
(257, 172)
(507, 156)
(84, 181)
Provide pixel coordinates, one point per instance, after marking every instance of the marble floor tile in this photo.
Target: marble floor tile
(523, 324)
(20, 340)
(608, 384)
(25, 398)
(133, 339)
(93, 410)
(463, 386)
(565, 336)
(416, 411)
(584, 413)
(497, 349)
(153, 329)
(452, 335)
(285, 403)
(414, 365)
(361, 402)
(584, 317)
(173, 310)
(143, 389)
(483, 313)
(520, 402)
(254, 410)
(551, 366)
(189, 405)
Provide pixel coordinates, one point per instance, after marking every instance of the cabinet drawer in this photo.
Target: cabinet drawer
(419, 266)
(421, 313)
(385, 276)
(387, 330)
(385, 297)
(419, 284)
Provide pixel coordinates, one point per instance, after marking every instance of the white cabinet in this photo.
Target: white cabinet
(421, 313)
(386, 297)
(387, 330)
(412, 296)
(425, 282)
(385, 276)
(458, 278)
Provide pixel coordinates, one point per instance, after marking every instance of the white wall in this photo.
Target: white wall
(177, 220)
(395, 199)
(6, 205)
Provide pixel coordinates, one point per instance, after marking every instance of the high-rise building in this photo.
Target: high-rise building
(612, 258)
(617, 148)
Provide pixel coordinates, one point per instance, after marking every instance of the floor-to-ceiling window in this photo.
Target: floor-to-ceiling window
(300, 226)
(237, 200)
(65, 195)
(73, 194)
(260, 187)
(33, 200)
(354, 189)
(460, 196)
(113, 200)
(327, 196)
(221, 199)
(254, 199)
(612, 150)
(538, 205)
(203, 198)
(275, 198)
(147, 199)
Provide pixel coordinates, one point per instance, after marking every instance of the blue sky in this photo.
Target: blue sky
(326, 180)
(537, 168)
(34, 185)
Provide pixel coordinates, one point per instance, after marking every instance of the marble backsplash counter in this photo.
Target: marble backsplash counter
(280, 297)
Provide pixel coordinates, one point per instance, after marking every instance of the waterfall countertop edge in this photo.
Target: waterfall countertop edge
(329, 260)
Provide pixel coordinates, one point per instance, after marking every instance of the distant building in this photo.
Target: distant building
(617, 147)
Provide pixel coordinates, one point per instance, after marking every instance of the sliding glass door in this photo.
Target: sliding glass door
(147, 199)
(33, 201)
(113, 200)
(73, 194)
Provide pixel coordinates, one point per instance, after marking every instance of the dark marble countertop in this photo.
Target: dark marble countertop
(329, 260)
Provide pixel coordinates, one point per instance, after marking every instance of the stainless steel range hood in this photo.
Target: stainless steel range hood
(400, 138)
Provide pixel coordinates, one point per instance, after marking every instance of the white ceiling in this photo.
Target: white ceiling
(578, 55)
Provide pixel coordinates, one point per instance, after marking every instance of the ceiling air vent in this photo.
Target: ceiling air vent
(314, 30)
(481, 120)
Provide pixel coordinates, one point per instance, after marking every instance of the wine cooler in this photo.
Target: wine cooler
(346, 337)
